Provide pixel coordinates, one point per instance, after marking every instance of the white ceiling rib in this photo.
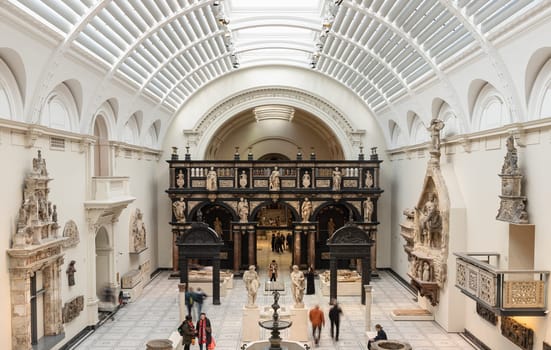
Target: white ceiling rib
(171, 48)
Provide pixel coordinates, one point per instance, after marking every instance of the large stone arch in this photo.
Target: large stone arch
(206, 128)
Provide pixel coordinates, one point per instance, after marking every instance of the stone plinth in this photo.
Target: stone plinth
(251, 329)
(299, 329)
(352, 288)
(131, 279)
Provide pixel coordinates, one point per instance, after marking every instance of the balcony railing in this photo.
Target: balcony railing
(506, 292)
(110, 187)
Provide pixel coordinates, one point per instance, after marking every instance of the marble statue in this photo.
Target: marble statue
(306, 180)
(306, 210)
(243, 179)
(138, 232)
(250, 277)
(337, 178)
(430, 223)
(179, 209)
(39, 165)
(274, 180)
(297, 286)
(180, 180)
(243, 210)
(368, 209)
(368, 180)
(212, 183)
(436, 125)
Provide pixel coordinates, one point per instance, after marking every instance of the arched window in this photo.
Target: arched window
(448, 116)
(490, 110)
(10, 99)
(540, 97)
(60, 110)
(131, 133)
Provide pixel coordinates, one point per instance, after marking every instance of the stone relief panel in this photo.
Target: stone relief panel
(517, 333)
(524, 294)
(73, 308)
(70, 231)
(486, 314)
(137, 232)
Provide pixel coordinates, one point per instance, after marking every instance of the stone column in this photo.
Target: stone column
(21, 309)
(312, 248)
(373, 252)
(174, 251)
(333, 279)
(91, 292)
(296, 248)
(236, 250)
(368, 302)
(182, 265)
(251, 245)
(216, 280)
(366, 275)
(182, 301)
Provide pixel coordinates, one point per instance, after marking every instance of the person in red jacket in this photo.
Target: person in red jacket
(318, 320)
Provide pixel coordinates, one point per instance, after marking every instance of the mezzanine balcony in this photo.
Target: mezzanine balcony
(519, 292)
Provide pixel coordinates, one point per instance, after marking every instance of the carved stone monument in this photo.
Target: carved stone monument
(72, 308)
(512, 207)
(426, 228)
(70, 231)
(517, 333)
(36, 248)
(137, 232)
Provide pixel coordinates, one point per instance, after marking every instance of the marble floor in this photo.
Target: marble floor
(155, 315)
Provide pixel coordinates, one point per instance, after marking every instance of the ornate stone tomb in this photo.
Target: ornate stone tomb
(517, 333)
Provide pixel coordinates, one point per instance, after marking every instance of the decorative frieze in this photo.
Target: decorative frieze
(522, 294)
(73, 308)
(486, 313)
(517, 333)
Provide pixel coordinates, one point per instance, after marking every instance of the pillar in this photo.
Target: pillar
(368, 301)
(216, 280)
(182, 287)
(236, 251)
(21, 301)
(366, 275)
(182, 265)
(252, 250)
(174, 251)
(296, 248)
(373, 252)
(311, 249)
(333, 279)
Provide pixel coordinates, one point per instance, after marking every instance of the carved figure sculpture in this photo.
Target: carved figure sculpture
(306, 210)
(337, 177)
(426, 271)
(368, 180)
(243, 179)
(297, 286)
(510, 163)
(212, 183)
(435, 126)
(71, 273)
(306, 179)
(330, 226)
(430, 223)
(274, 180)
(179, 209)
(368, 209)
(250, 277)
(180, 180)
(39, 165)
(138, 231)
(243, 210)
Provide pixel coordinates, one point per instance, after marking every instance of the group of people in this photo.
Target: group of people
(202, 330)
(195, 299)
(317, 319)
(279, 241)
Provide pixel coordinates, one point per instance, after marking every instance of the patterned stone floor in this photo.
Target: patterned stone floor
(155, 316)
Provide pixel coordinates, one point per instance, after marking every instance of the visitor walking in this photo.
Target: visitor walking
(272, 269)
(189, 300)
(335, 317)
(187, 331)
(204, 332)
(318, 321)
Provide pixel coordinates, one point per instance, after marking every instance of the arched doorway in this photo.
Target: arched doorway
(331, 218)
(104, 253)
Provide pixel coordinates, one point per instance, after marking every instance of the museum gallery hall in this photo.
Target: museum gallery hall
(389, 157)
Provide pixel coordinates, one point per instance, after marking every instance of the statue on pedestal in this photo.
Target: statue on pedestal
(243, 210)
(179, 209)
(337, 177)
(274, 180)
(250, 277)
(306, 210)
(212, 183)
(297, 286)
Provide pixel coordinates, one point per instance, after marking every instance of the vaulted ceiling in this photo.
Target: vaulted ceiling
(380, 49)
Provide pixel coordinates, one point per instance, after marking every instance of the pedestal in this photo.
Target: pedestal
(182, 301)
(368, 301)
(251, 329)
(299, 329)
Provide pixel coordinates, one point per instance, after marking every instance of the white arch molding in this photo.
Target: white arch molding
(348, 138)
(539, 105)
(11, 104)
(59, 110)
(490, 110)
